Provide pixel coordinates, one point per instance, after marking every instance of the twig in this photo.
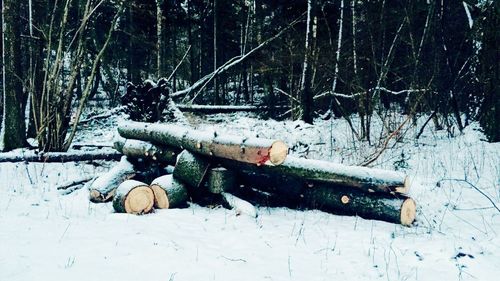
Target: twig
(476, 188)
(385, 144)
(73, 183)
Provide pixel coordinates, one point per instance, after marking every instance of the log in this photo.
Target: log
(366, 179)
(169, 192)
(294, 192)
(145, 150)
(191, 169)
(60, 157)
(103, 188)
(133, 197)
(220, 180)
(349, 201)
(249, 150)
(239, 205)
(212, 109)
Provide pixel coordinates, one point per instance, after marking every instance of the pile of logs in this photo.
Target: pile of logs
(238, 172)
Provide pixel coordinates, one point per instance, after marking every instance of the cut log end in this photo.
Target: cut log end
(408, 212)
(161, 198)
(278, 152)
(405, 188)
(133, 197)
(139, 200)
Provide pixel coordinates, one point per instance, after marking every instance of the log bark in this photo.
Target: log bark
(104, 187)
(61, 157)
(133, 197)
(145, 150)
(169, 192)
(249, 150)
(366, 179)
(191, 169)
(349, 201)
(220, 180)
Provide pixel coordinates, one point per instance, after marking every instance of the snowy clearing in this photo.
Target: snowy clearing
(46, 235)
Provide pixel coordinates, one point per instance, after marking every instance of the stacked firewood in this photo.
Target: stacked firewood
(238, 172)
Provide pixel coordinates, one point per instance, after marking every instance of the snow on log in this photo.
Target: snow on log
(211, 109)
(349, 201)
(363, 178)
(191, 168)
(61, 157)
(145, 150)
(220, 180)
(239, 205)
(249, 150)
(133, 197)
(103, 188)
(168, 192)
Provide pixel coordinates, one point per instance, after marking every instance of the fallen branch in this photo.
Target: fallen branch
(234, 61)
(60, 157)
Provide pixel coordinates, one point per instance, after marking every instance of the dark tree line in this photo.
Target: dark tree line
(322, 58)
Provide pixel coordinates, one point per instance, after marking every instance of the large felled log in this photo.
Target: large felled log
(349, 201)
(103, 188)
(249, 150)
(145, 150)
(363, 178)
(191, 168)
(343, 200)
(169, 192)
(211, 109)
(61, 157)
(133, 197)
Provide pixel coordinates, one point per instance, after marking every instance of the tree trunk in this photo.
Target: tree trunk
(104, 187)
(144, 150)
(133, 197)
(12, 133)
(305, 107)
(250, 150)
(160, 45)
(169, 192)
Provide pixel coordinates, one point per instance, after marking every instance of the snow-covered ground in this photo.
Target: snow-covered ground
(45, 235)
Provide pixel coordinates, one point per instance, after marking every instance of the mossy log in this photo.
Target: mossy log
(169, 192)
(145, 150)
(220, 180)
(293, 192)
(349, 201)
(249, 150)
(133, 197)
(103, 188)
(191, 169)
